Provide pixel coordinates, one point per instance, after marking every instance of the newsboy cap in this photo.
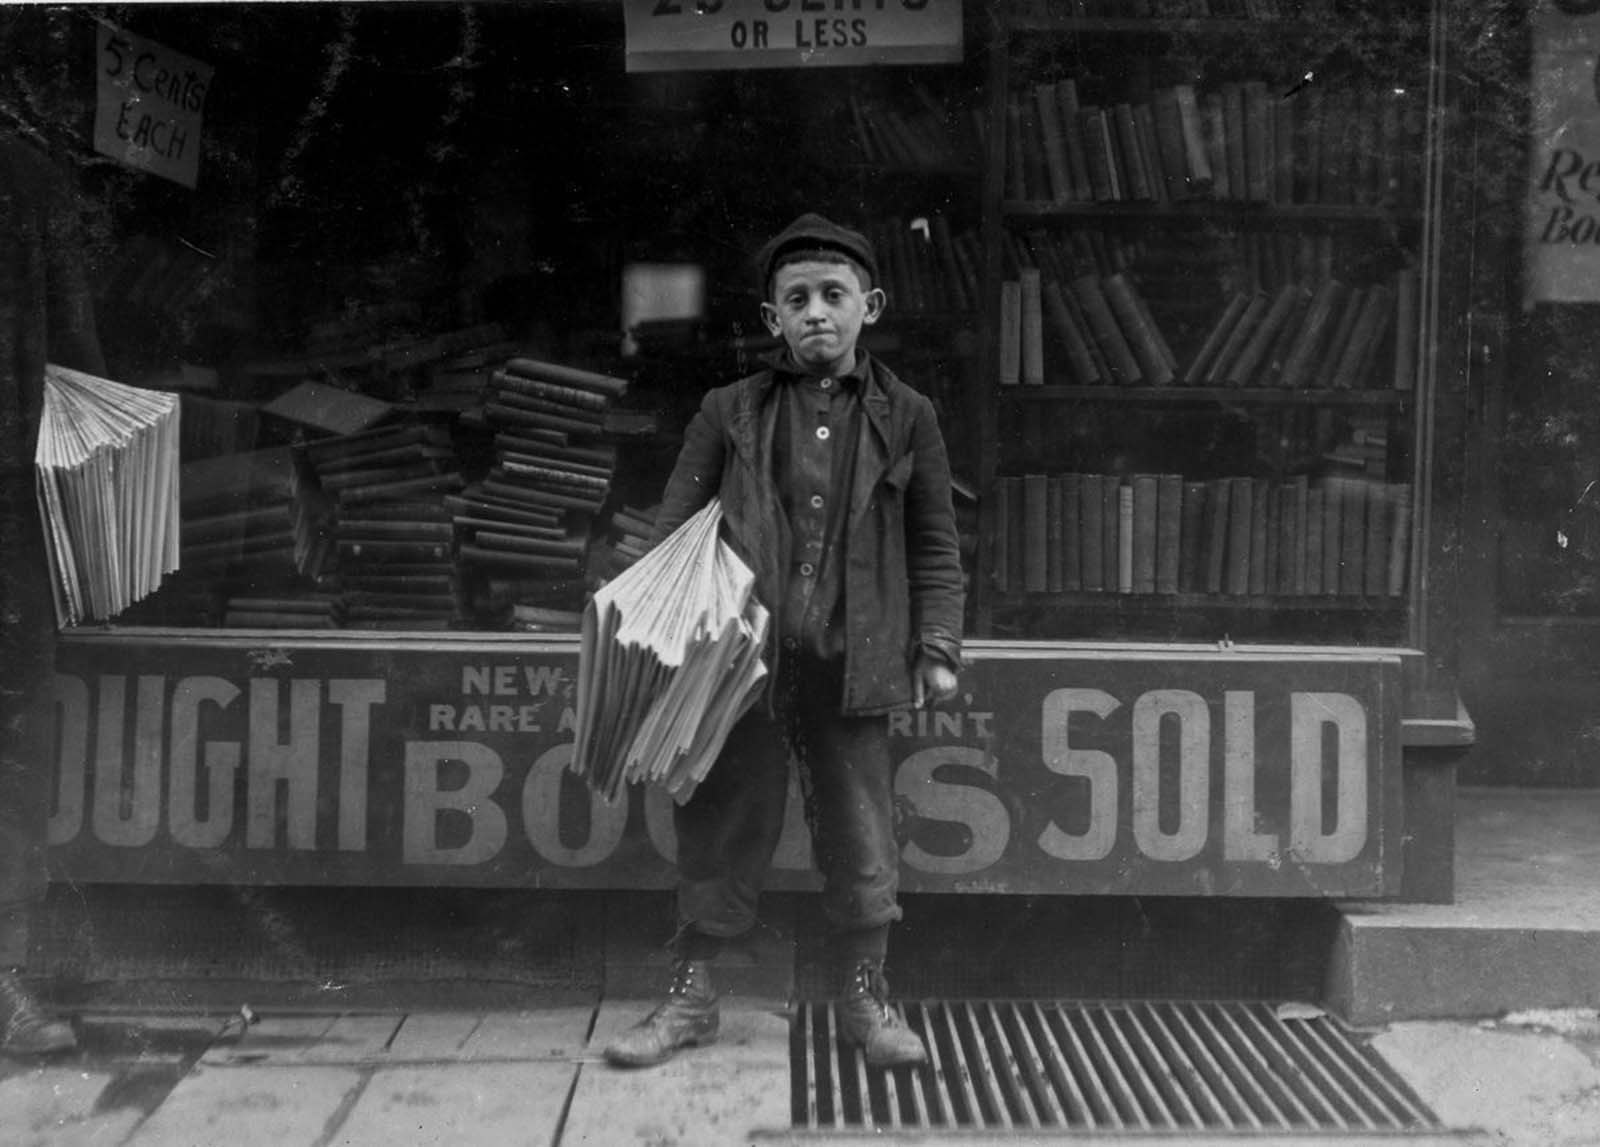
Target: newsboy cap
(813, 232)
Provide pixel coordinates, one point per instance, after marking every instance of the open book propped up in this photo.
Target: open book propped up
(670, 658)
(107, 483)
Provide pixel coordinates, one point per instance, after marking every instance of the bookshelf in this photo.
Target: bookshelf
(1207, 227)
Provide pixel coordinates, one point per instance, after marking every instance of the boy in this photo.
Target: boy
(835, 488)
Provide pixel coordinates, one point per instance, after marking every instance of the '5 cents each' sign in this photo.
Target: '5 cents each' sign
(672, 35)
(150, 102)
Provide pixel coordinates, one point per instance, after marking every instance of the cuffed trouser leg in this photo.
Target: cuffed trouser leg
(848, 780)
(729, 829)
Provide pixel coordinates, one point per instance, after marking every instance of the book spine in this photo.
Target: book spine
(1128, 544)
(1217, 523)
(1216, 337)
(1055, 152)
(1170, 143)
(609, 385)
(1072, 542)
(1222, 369)
(1299, 362)
(1197, 156)
(1072, 134)
(1399, 541)
(1107, 334)
(1141, 340)
(1111, 522)
(1010, 332)
(1352, 535)
(1092, 531)
(1259, 513)
(1191, 537)
(1031, 296)
(1241, 511)
(1169, 532)
(1136, 176)
(1035, 533)
(1055, 540)
(1333, 353)
(1080, 363)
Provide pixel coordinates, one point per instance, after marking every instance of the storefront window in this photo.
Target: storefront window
(451, 282)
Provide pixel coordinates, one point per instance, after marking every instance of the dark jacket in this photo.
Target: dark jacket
(902, 577)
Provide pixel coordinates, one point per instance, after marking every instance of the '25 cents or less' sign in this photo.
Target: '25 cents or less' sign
(150, 102)
(671, 35)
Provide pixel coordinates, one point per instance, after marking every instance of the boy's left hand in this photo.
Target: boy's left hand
(931, 682)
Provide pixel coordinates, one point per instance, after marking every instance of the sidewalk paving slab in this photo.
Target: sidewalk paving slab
(1522, 1087)
(62, 1107)
(716, 1096)
(251, 1107)
(459, 1105)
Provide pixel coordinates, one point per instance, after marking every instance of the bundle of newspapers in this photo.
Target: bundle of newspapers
(669, 659)
(107, 483)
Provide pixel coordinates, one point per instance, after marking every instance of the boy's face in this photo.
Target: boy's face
(819, 308)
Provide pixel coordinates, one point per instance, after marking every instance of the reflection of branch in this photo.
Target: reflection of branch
(338, 55)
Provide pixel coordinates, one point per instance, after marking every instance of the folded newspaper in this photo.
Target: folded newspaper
(107, 482)
(670, 658)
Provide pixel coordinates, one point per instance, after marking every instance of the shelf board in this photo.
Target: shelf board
(1048, 17)
(1298, 214)
(1186, 602)
(1218, 395)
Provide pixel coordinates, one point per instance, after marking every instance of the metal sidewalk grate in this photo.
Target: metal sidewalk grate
(1112, 1067)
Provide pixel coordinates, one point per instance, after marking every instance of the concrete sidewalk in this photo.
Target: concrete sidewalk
(534, 1077)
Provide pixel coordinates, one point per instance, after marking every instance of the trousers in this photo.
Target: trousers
(27, 685)
(729, 829)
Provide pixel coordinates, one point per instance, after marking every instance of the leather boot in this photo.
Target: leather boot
(867, 1020)
(686, 1018)
(25, 1029)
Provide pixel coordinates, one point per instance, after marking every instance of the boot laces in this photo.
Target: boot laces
(867, 982)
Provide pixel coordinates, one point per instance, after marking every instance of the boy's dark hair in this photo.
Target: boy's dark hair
(813, 236)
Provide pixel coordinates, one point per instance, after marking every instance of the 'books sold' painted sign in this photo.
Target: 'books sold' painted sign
(1173, 772)
(697, 35)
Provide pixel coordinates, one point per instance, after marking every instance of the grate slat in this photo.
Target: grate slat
(1048, 1110)
(1034, 1067)
(1261, 1069)
(1076, 1104)
(1118, 1088)
(988, 1084)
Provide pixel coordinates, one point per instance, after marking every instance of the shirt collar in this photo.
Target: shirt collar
(782, 362)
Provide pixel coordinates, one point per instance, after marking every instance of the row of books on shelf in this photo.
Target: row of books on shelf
(927, 136)
(1232, 537)
(928, 269)
(1333, 336)
(1242, 142)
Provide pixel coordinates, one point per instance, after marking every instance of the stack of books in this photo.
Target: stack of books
(526, 524)
(300, 611)
(926, 136)
(1341, 534)
(247, 519)
(107, 483)
(392, 528)
(632, 531)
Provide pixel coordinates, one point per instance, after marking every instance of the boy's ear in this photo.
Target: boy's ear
(769, 316)
(875, 301)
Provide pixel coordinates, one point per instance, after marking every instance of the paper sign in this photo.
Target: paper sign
(1563, 236)
(150, 105)
(702, 35)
